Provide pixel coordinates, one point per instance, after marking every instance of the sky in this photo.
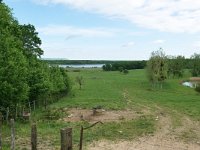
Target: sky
(112, 29)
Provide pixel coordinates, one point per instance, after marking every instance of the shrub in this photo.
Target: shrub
(120, 69)
(54, 113)
(197, 88)
(125, 71)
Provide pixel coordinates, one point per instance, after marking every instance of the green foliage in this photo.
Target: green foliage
(107, 67)
(13, 65)
(120, 65)
(54, 113)
(67, 81)
(195, 65)
(31, 41)
(125, 71)
(157, 67)
(24, 77)
(176, 66)
(39, 81)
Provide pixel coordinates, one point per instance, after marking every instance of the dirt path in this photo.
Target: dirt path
(166, 138)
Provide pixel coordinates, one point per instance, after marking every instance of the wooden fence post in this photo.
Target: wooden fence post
(16, 112)
(12, 124)
(33, 137)
(81, 133)
(66, 139)
(0, 131)
(7, 115)
(29, 104)
(33, 105)
(81, 139)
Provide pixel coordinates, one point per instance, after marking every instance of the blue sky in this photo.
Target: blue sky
(112, 29)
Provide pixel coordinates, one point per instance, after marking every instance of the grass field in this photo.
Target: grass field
(112, 91)
(108, 89)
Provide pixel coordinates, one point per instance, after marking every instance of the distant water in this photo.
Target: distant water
(82, 66)
(188, 84)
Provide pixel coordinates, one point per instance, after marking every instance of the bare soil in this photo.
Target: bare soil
(166, 138)
(184, 137)
(102, 115)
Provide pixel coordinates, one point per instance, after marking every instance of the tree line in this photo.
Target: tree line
(124, 65)
(160, 67)
(24, 77)
(175, 65)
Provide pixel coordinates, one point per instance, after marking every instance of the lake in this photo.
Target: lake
(82, 66)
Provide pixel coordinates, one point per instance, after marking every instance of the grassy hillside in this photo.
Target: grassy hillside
(112, 91)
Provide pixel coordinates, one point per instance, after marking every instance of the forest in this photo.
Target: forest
(24, 77)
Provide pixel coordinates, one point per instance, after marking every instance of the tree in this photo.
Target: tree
(157, 67)
(67, 80)
(176, 65)
(23, 76)
(31, 41)
(107, 67)
(39, 81)
(13, 66)
(195, 65)
(125, 71)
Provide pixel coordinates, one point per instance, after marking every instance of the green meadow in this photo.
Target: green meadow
(108, 88)
(112, 91)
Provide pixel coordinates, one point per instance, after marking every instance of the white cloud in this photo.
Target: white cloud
(159, 41)
(196, 44)
(129, 44)
(72, 32)
(163, 15)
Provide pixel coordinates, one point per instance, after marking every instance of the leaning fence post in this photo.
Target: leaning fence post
(66, 139)
(12, 124)
(33, 137)
(0, 131)
(81, 134)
